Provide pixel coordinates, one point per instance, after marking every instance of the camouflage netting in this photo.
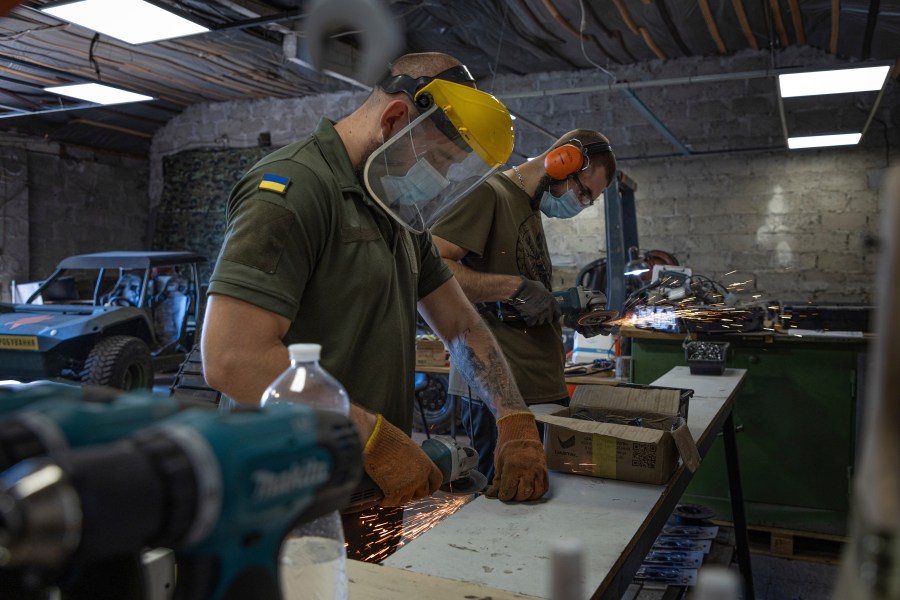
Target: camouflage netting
(191, 214)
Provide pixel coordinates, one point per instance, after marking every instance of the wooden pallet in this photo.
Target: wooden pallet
(791, 543)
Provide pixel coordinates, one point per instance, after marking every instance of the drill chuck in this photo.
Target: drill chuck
(40, 515)
(96, 502)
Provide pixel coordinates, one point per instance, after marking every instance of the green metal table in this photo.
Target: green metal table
(796, 420)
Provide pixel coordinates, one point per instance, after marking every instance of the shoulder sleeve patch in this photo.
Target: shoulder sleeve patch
(274, 183)
(258, 235)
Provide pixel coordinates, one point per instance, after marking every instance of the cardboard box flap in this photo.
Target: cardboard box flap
(687, 448)
(628, 401)
(625, 432)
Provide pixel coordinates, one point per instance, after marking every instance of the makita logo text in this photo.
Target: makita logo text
(297, 478)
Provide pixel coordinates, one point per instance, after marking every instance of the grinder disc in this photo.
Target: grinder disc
(470, 483)
(596, 318)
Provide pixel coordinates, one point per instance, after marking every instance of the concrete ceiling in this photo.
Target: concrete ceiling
(247, 54)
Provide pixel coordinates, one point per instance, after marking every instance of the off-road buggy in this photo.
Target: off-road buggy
(111, 318)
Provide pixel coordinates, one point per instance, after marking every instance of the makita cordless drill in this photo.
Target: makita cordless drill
(221, 490)
(54, 417)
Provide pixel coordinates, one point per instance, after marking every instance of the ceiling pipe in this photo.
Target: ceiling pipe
(44, 111)
(634, 85)
(655, 121)
(120, 129)
(535, 126)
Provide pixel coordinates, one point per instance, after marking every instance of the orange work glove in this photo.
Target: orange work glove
(400, 468)
(520, 468)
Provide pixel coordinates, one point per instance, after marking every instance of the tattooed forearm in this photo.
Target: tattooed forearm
(477, 357)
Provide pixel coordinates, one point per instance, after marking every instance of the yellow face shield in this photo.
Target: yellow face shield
(460, 137)
(479, 118)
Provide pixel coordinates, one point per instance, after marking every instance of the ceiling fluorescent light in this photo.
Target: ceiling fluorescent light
(818, 141)
(98, 93)
(132, 21)
(841, 81)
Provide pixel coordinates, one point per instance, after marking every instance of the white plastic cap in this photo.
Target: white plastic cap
(305, 352)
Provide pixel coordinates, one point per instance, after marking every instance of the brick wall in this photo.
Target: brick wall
(57, 201)
(14, 256)
(803, 222)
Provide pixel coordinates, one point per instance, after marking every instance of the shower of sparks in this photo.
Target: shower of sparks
(430, 512)
(668, 316)
(418, 517)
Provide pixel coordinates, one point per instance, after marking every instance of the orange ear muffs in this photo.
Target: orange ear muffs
(564, 161)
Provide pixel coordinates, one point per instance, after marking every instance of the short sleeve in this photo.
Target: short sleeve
(433, 271)
(272, 239)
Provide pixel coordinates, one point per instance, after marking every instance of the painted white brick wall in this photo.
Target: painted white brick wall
(800, 221)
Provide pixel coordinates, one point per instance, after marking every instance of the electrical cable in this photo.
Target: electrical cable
(581, 37)
(496, 66)
(91, 58)
(612, 33)
(424, 420)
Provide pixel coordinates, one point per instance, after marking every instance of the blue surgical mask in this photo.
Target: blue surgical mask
(561, 207)
(421, 183)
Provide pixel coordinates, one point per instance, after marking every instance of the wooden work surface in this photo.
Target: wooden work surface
(507, 546)
(377, 582)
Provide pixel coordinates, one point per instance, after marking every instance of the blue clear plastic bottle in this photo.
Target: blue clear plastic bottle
(313, 558)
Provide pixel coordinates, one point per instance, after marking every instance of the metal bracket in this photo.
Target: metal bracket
(621, 234)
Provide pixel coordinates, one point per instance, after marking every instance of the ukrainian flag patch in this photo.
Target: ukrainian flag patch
(274, 183)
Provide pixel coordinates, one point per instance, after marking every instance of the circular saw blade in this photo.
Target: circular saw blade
(596, 318)
(470, 483)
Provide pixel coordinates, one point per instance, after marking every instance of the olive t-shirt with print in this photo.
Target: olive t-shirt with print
(502, 233)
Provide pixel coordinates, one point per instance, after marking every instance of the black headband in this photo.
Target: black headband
(393, 84)
(596, 148)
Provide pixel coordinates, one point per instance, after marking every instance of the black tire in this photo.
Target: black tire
(437, 405)
(121, 362)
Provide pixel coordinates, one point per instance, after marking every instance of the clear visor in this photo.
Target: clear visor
(419, 173)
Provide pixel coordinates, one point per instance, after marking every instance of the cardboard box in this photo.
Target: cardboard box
(431, 353)
(601, 443)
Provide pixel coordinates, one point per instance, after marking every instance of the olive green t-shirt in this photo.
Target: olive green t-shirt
(303, 240)
(503, 234)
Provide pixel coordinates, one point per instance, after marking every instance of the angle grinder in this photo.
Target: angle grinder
(457, 463)
(583, 310)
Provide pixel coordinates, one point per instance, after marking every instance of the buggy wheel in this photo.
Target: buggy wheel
(120, 361)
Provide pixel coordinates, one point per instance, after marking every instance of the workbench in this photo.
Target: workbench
(502, 550)
(797, 418)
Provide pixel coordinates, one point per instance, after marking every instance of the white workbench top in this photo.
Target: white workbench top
(508, 546)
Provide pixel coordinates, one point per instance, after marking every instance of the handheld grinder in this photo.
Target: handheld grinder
(457, 463)
(583, 310)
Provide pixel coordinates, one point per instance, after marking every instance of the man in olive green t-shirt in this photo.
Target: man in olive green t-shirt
(326, 242)
(493, 241)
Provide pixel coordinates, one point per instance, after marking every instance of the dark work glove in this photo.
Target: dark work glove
(589, 331)
(535, 303)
